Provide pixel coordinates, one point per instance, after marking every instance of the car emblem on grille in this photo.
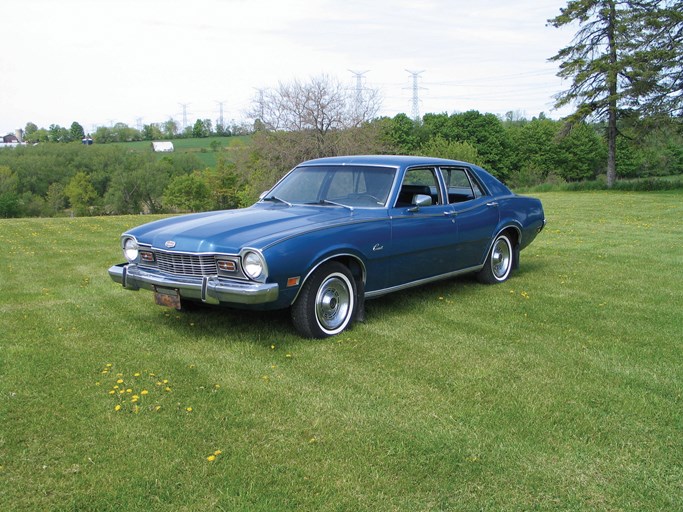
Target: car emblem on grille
(170, 244)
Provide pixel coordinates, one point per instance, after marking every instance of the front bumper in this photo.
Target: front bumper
(209, 289)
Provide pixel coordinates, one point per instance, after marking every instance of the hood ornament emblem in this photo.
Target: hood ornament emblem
(170, 244)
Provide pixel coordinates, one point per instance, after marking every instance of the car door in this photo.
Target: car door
(476, 214)
(423, 237)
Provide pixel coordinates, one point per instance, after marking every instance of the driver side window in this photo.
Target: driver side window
(419, 181)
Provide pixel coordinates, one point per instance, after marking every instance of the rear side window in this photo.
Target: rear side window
(460, 184)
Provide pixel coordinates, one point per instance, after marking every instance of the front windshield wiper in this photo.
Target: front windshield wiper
(277, 200)
(327, 201)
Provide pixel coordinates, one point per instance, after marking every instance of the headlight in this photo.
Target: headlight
(253, 264)
(130, 249)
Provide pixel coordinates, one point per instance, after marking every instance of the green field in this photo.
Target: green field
(561, 389)
(200, 147)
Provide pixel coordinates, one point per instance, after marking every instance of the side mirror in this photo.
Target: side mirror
(420, 200)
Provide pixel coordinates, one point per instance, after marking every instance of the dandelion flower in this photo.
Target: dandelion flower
(120, 381)
(217, 453)
(117, 408)
(168, 389)
(188, 409)
(211, 458)
(113, 391)
(144, 392)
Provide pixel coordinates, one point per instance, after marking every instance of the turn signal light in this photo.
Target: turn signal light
(226, 265)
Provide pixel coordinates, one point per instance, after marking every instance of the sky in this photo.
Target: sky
(143, 61)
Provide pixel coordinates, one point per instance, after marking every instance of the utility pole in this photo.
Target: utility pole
(416, 99)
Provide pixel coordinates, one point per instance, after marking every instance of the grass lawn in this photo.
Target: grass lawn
(561, 389)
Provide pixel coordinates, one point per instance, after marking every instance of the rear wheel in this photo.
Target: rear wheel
(499, 261)
(327, 302)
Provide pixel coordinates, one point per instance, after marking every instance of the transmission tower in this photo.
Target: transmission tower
(184, 105)
(359, 88)
(416, 99)
(220, 119)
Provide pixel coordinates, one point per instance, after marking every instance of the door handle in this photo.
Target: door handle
(492, 203)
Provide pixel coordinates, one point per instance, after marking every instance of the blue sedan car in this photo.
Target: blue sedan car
(332, 233)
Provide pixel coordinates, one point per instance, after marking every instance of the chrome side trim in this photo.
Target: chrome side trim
(419, 282)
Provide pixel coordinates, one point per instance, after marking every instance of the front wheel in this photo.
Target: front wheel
(498, 262)
(327, 302)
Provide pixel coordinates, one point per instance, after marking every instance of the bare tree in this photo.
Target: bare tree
(318, 107)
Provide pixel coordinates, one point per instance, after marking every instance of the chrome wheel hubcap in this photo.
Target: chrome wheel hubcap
(333, 303)
(500, 258)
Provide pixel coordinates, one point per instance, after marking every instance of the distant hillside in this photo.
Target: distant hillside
(206, 149)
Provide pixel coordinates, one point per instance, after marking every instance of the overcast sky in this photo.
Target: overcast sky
(137, 61)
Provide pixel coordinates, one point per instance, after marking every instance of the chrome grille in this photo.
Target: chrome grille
(186, 264)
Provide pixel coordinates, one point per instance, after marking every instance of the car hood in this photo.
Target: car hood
(230, 230)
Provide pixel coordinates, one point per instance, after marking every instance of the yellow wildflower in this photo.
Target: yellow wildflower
(117, 408)
(211, 458)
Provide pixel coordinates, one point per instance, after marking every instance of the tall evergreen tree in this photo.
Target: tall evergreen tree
(593, 61)
(625, 58)
(657, 74)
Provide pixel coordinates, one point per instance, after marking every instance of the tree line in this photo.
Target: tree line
(106, 179)
(121, 132)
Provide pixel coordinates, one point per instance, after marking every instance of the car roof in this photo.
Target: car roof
(390, 160)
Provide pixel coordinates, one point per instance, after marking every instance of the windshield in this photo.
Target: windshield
(344, 185)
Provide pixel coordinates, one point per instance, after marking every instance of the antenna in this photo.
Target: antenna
(416, 88)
